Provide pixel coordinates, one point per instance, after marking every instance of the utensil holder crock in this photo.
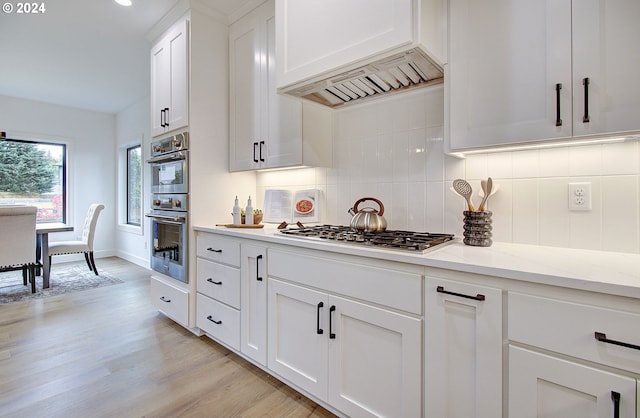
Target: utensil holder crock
(477, 228)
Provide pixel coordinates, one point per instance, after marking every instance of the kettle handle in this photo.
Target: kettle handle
(355, 205)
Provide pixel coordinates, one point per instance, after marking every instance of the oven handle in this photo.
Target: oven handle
(175, 156)
(175, 220)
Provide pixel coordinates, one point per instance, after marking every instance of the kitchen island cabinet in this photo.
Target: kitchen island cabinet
(364, 360)
(542, 71)
(268, 130)
(170, 80)
(463, 349)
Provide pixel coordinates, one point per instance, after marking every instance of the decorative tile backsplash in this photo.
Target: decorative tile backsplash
(392, 149)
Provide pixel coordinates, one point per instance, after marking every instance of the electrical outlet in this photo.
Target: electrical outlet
(579, 196)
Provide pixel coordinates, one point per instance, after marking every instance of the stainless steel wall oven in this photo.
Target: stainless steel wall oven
(170, 206)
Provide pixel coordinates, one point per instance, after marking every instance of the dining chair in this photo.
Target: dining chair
(84, 245)
(18, 243)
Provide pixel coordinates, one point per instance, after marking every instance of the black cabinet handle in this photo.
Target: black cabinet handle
(162, 117)
(166, 119)
(258, 258)
(210, 280)
(602, 337)
(210, 318)
(480, 297)
(615, 397)
(261, 157)
(212, 250)
(585, 83)
(255, 145)
(558, 119)
(331, 311)
(162, 298)
(318, 329)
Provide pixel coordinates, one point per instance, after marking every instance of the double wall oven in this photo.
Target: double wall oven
(170, 206)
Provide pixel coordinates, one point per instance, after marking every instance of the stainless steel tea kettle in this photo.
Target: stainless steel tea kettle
(368, 219)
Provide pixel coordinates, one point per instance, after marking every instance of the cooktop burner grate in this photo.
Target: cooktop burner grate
(396, 240)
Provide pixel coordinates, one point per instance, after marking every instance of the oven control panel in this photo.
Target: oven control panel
(178, 142)
(176, 202)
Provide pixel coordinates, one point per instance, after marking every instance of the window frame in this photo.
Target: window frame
(128, 220)
(63, 180)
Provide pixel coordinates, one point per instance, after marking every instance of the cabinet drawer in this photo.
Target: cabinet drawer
(386, 286)
(569, 328)
(219, 282)
(218, 248)
(218, 320)
(170, 300)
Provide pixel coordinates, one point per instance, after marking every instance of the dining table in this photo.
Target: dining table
(42, 246)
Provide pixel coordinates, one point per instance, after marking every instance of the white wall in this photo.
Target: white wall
(392, 149)
(91, 160)
(132, 128)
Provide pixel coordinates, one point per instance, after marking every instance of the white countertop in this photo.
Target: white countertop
(598, 271)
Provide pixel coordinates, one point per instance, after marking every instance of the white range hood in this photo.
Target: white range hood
(398, 72)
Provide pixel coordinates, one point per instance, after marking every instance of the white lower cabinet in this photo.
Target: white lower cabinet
(170, 300)
(566, 359)
(542, 385)
(362, 360)
(463, 349)
(253, 315)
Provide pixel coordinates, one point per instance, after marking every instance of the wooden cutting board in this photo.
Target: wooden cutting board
(241, 226)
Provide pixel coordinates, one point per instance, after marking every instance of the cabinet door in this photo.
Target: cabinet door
(544, 386)
(284, 117)
(297, 337)
(336, 33)
(602, 31)
(247, 80)
(160, 94)
(178, 113)
(463, 350)
(505, 59)
(254, 302)
(374, 360)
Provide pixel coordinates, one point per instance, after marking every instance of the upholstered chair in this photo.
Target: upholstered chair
(85, 245)
(18, 241)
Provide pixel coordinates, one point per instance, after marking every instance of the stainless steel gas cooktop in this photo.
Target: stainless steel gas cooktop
(409, 241)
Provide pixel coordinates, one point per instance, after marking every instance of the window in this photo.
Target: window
(34, 173)
(134, 185)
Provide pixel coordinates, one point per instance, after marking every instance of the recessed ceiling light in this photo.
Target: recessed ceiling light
(124, 2)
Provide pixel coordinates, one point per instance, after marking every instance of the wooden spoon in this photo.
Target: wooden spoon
(463, 188)
(486, 188)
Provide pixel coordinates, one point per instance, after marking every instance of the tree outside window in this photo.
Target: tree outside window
(33, 173)
(134, 185)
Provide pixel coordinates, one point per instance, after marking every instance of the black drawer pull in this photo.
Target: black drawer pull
(258, 258)
(210, 280)
(162, 298)
(615, 397)
(318, 329)
(558, 119)
(480, 297)
(212, 250)
(255, 159)
(210, 318)
(602, 337)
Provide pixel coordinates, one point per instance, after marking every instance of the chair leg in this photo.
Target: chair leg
(93, 262)
(86, 258)
(32, 276)
(24, 275)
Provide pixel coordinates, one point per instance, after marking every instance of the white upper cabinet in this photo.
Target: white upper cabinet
(314, 37)
(268, 130)
(516, 70)
(170, 80)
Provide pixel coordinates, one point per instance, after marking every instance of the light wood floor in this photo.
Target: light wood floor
(107, 352)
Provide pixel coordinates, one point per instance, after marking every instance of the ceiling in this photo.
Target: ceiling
(84, 54)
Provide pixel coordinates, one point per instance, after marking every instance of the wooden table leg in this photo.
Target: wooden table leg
(46, 266)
